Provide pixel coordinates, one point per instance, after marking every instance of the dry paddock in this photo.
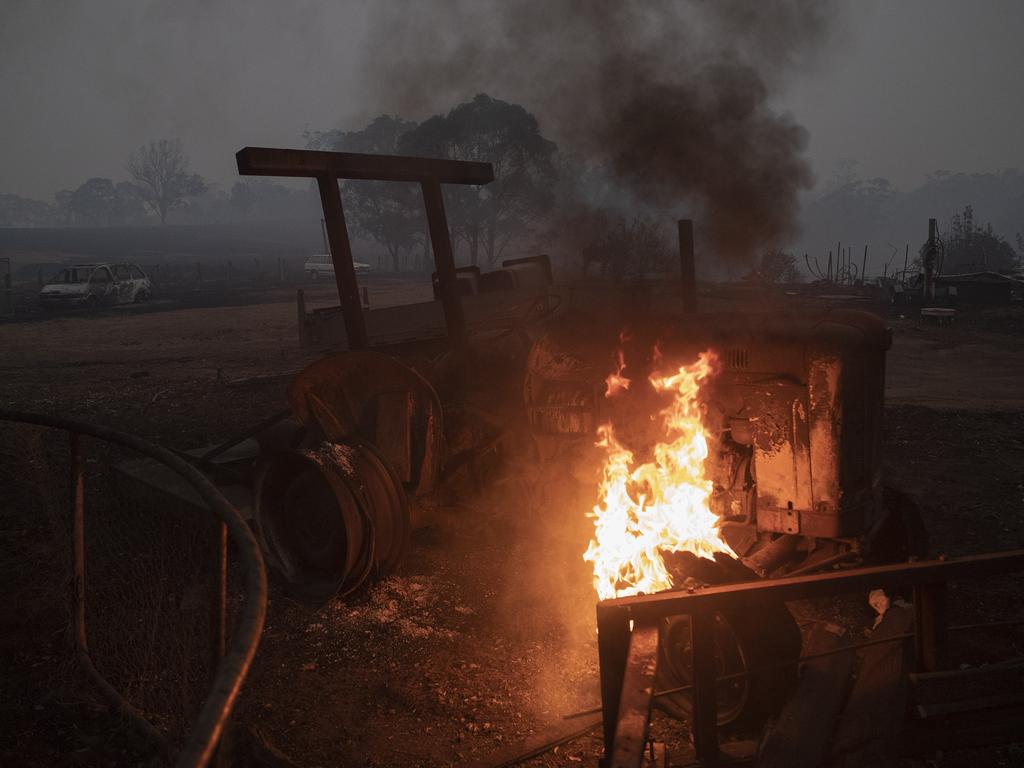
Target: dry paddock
(485, 636)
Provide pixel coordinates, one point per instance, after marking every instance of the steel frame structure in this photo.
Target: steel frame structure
(628, 630)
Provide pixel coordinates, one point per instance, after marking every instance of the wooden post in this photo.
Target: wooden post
(906, 256)
(687, 266)
(864, 265)
(444, 260)
(705, 704)
(830, 266)
(341, 255)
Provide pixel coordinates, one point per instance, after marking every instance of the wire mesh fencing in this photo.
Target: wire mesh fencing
(152, 577)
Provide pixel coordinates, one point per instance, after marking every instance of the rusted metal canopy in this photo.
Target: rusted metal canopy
(328, 167)
(265, 161)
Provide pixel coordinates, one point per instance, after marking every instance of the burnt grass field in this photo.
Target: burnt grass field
(483, 640)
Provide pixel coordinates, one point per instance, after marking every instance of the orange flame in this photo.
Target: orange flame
(616, 382)
(661, 505)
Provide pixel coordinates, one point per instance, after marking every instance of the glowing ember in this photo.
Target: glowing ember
(661, 505)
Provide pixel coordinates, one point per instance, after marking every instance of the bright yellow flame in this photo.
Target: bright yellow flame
(661, 505)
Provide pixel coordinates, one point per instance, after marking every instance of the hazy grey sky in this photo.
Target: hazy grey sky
(907, 87)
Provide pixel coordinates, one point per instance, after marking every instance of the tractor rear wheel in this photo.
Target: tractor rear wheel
(749, 644)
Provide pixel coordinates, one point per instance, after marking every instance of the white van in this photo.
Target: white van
(320, 265)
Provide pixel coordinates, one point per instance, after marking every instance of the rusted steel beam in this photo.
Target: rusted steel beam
(644, 607)
(705, 702)
(444, 260)
(265, 161)
(612, 652)
(634, 714)
(344, 267)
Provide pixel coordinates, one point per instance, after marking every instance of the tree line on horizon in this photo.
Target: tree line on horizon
(543, 199)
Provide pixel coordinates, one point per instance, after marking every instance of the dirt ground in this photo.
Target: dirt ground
(485, 636)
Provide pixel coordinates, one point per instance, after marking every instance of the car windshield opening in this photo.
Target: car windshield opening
(73, 275)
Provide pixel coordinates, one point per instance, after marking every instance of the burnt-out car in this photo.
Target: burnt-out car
(95, 285)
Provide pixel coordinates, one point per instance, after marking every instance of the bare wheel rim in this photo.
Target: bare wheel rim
(732, 695)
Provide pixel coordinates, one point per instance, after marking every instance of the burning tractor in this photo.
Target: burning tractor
(721, 447)
(733, 447)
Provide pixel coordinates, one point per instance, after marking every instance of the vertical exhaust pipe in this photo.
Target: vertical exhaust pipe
(687, 268)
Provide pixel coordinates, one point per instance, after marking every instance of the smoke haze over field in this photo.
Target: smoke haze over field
(671, 96)
(904, 88)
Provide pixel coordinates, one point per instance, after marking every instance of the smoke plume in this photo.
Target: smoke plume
(671, 98)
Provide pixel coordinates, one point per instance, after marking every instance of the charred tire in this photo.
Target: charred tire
(755, 638)
(314, 531)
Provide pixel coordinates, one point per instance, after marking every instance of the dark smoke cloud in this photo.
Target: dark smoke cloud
(673, 98)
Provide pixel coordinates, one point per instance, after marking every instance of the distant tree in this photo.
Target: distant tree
(62, 207)
(130, 205)
(243, 197)
(94, 203)
(100, 203)
(161, 171)
(779, 267)
(970, 247)
(625, 248)
(388, 212)
(17, 211)
(488, 218)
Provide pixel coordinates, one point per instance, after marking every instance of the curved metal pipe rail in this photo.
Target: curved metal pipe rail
(236, 657)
